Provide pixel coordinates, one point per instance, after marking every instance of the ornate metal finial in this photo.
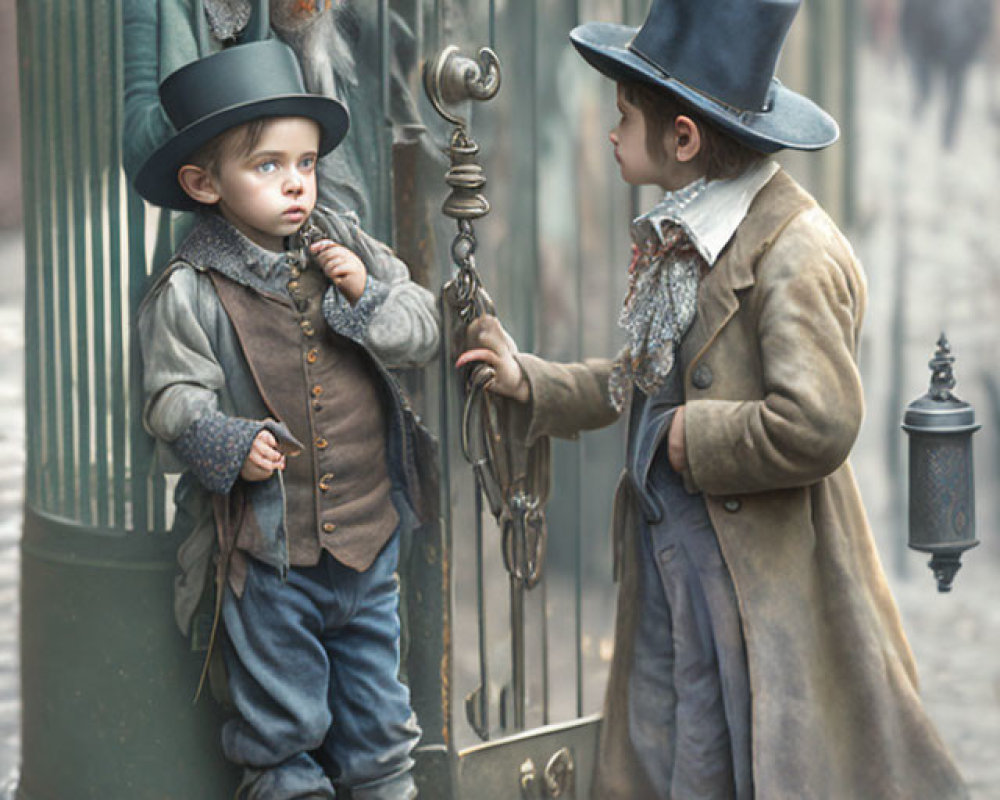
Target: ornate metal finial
(452, 78)
(466, 179)
(945, 566)
(942, 378)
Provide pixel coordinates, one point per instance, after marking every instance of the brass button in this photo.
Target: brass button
(317, 390)
(312, 355)
(329, 527)
(732, 505)
(321, 443)
(293, 286)
(307, 328)
(324, 482)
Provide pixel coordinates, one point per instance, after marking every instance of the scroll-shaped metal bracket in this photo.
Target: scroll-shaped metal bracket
(451, 78)
(558, 775)
(556, 779)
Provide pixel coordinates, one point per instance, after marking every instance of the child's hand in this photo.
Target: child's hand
(676, 450)
(263, 459)
(344, 269)
(496, 349)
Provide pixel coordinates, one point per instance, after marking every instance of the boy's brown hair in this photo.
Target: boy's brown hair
(240, 140)
(722, 155)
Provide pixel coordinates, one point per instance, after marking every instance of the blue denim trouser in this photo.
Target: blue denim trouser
(313, 666)
(689, 692)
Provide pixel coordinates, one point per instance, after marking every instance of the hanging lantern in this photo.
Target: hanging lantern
(942, 495)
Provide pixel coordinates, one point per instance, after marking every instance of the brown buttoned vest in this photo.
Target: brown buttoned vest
(325, 389)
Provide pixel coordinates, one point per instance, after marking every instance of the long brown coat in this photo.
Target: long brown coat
(835, 709)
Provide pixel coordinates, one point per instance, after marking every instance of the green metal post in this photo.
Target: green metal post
(106, 680)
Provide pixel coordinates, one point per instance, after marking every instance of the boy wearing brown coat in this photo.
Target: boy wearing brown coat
(758, 650)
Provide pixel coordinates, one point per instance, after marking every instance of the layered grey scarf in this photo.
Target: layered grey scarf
(661, 300)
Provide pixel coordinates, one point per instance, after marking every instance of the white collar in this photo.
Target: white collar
(710, 212)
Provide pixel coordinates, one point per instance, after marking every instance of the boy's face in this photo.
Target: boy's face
(268, 192)
(637, 166)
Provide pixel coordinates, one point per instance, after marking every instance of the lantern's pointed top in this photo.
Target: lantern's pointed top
(942, 378)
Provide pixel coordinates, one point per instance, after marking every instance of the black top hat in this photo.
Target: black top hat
(226, 89)
(719, 56)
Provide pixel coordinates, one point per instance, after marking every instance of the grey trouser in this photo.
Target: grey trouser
(689, 694)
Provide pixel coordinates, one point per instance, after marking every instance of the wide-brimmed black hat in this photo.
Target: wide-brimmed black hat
(718, 56)
(224, 90)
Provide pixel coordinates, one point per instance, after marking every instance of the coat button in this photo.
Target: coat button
(307, 328)
(293, 286)
(312, 355)
(321, 443)
(732, 505)
(317, 390)
(702, 376)
(324, 482)
(329, 527)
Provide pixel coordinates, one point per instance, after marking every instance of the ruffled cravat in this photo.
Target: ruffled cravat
(661, 300)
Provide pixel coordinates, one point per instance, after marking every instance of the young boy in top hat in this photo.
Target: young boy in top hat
(261, 347)
(758, 650)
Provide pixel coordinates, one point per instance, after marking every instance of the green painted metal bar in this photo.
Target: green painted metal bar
(849, 113)
(435, 31)
(118, 326)
(543, 635)
(30, 124)
(81, 268)
(532, 285)
(145, 487)
(382, 219)
(518, 670)
(493, 25)
(580, 489)
(542, 589)
(97, 61)
(52, 462)
(447, 413)
(818, 59)
(140, 447)
(260, 23)
(483, 629)
(62, 31)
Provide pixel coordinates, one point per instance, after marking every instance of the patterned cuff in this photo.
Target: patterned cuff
(215, 446)
(352, 321)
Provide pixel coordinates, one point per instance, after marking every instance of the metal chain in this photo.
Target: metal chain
(501, 467)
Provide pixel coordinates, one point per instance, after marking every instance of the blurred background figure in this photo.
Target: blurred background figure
(941, 40)
(882, 25)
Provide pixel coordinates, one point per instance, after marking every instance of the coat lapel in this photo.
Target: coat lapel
(780, 201)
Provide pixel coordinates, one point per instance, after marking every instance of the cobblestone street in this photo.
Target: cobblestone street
(935, 214)
(928, 216)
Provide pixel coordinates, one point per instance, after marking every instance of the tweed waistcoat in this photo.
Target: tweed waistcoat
(324, 388)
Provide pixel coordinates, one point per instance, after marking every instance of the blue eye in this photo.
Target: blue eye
(267, 167)
(307, 163)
